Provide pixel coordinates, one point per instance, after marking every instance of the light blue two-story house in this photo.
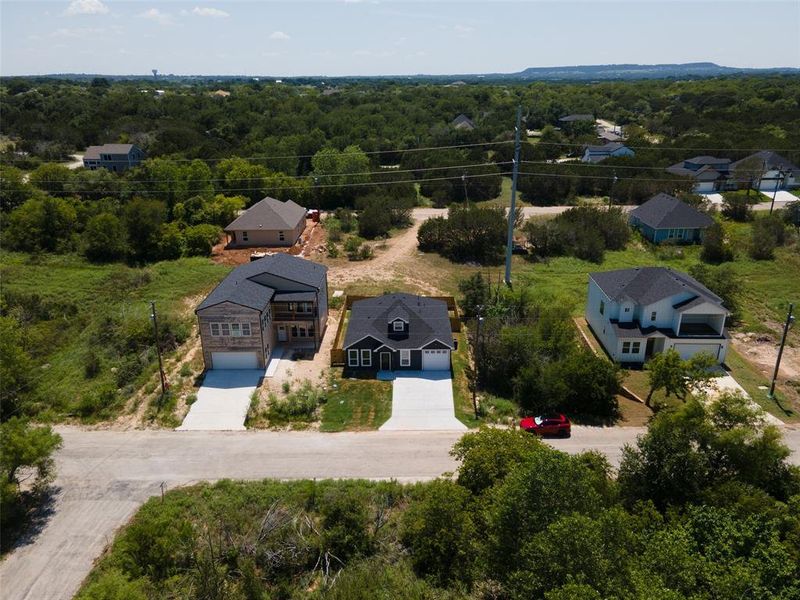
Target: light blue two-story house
(664, 218)
(596, 154)
(636, 313)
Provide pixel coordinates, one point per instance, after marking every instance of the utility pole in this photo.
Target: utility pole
(778, 183)
(611, 191)
(789, 321)
(464, 182)
(158, 350)
(476, 359)
(513, 207)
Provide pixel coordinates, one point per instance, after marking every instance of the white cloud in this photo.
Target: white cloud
(463, 29)
(209, 12)
(279, 35)
(153, 14)
(86, 7)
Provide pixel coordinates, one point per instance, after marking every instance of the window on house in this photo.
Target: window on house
(301, 331)
(398, 325)
(215, 329)
(352, 358)
(602, 307)
(226, 329)
(294, 330)
(246, 329)
(653, 316)
(235, 330)
(627, 309)
(626, 347)
(304, 307)
(405, 358)
(244, 237)
(366, 358)
(291, 307)
(635, 346)
(281, 237)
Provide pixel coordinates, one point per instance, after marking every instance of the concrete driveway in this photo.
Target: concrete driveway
(222, 401)
(423, 401)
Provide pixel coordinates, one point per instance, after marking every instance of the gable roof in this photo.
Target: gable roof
(663, 211)
(701, 167)
(605, 148)
(771, 160)
(93, 152)
(608, 135)
(645, 285)
(269, 214)
(576, 117)
(239, 288)
(427, 320)
(463, 121)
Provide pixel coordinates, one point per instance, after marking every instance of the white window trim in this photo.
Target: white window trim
(366, 358)
(401, 327)
(244, 237)
(653, 316)
(636, 347)
(352, 357)
(213, 327)
(628, 344)
(223, 328)
(405, 358)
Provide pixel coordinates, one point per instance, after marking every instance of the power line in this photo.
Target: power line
(664, 148)
(324, 185)
(286, 156)
(571, 176)
(305, 177)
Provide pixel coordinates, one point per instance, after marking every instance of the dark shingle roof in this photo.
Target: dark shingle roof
(239, 288)
(772, 160)
(463, 121)
(645, 285)
(709, 167)
(269, 214)
(663, 211)
(93, 152)
(427, 318)
(576, 117)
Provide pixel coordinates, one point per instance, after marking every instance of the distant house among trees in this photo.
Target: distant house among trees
(711, 174)
(772, 171)
(463, 122)
(576, 118)
(114, 157)
(666, 218)
(268, 222)
(596, 154)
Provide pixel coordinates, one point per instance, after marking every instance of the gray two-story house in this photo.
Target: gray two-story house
(399, 332)
(279, 300)
(636, 313)
(114, 157)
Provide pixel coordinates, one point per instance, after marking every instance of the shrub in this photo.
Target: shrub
(186, 370)
(91, 365)
(299, 404)
(344, 520)
(715, 248)
(200, 239)
(439, 533)
(724, 282)
(105, 238)
(352, 244)
(737, 207)
(334, 229)
(375, 221)
(763, 240)
(333, 250)
(470, 233)
(98, 403)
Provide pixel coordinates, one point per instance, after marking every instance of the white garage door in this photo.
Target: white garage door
(436, 360)
(234, 360)
(768, 185)
(687, 351)
(704, 187)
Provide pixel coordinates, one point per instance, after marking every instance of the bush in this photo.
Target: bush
(375, 221)
(91, 365)
(724, 282)
(300, 404)
(104, 238)
(737, 207)
(715, 248)
(439, 532)
(763, 240)
(98, 403)
(200, 239)
(470, 233)
(334, 229)
(344, 520)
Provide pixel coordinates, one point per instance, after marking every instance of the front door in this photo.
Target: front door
(282, 333)
(648, 349)
(386, 361)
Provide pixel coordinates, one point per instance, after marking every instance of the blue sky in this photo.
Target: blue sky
(349, 37)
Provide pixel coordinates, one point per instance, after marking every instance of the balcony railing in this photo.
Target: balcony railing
(287, 315)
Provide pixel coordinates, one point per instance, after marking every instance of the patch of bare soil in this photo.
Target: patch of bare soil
(762, 351)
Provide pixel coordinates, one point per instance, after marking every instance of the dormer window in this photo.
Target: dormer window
(398, 325)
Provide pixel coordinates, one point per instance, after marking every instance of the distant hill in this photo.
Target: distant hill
(566, 73)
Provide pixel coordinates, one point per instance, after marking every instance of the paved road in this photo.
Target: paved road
(104, 476)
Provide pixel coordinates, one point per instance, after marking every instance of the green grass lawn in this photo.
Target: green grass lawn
(357, 405)
(87, 299)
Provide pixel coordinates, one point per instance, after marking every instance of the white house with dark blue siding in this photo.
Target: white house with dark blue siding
(665, 218)
(636, 313)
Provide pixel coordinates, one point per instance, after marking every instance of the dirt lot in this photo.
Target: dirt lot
(762, 351)
(313, 236)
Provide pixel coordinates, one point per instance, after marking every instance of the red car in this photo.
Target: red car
(547, 425)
